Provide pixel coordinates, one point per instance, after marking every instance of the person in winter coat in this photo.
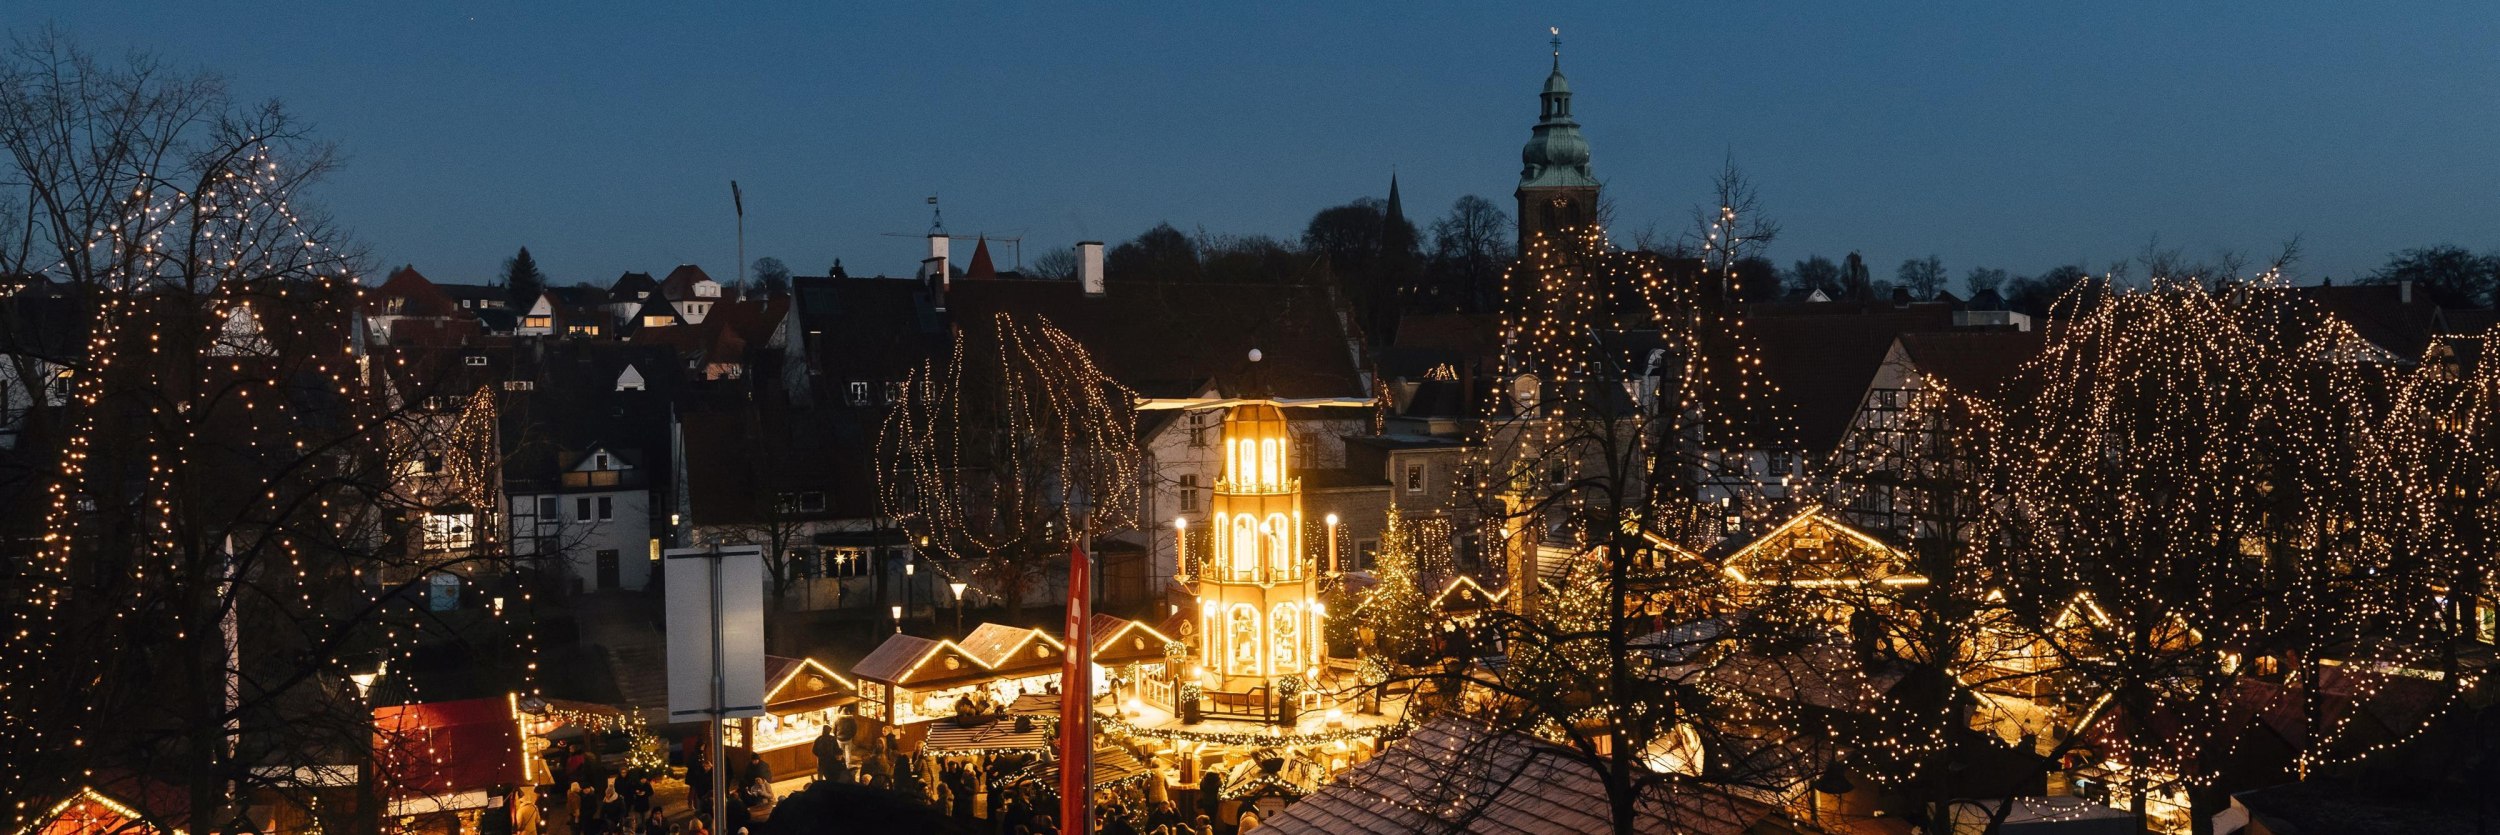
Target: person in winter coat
(828, 751)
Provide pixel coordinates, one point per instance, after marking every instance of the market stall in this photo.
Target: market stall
(910, 679)
(802, 697)
(1131, 661)
(443, 767)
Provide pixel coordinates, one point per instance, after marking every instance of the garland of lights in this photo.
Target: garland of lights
(973, 457)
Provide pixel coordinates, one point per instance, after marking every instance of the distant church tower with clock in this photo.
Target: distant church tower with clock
(1556, 190)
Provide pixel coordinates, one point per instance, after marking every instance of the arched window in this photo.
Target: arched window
(1245, 557)
(1241, 629)
(1284, 625)
(1280, 554)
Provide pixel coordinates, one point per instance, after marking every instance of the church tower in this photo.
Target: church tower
(1555, 189)
(1259, 609)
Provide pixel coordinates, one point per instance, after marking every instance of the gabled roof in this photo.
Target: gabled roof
(633, 287)
(913, 662)
(1119, 640)
(1821, 357)
(1463, 595)
(1007, 648)
(2398, 319)
(418, 297)
(1813, 549)
(679, 285)
(799, 684)
(1972, 362)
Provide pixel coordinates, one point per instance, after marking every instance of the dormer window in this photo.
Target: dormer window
(474, 359)
(707, 289)
(630, 380)
(599, 462)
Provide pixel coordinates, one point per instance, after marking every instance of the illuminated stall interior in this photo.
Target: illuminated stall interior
(802, 697)
(912, 679)
(1814, 550)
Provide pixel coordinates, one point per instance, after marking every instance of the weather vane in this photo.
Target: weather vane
(1557, 32)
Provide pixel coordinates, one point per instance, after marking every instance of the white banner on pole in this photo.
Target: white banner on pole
(692, 598)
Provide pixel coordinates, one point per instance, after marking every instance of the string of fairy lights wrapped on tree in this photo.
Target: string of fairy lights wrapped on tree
(2211, 471)
(223, 426)
(986, 451)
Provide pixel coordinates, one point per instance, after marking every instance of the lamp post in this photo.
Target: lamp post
(898, 619)
(908, 565)
(959, 587)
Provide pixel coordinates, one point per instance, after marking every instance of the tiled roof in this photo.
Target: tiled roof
(1973, 362)
(2382, 314)
(632, 287)
(679, 285)
(422, 297)
(1172, 340)
(1821, 362)
(739, 460)
(1452, 775)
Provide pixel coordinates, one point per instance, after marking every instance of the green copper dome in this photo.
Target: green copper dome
(1556, 155)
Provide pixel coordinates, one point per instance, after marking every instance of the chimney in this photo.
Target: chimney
(2404, 292)
(1089, 266)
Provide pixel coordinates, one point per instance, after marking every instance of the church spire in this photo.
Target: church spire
(1556, 190)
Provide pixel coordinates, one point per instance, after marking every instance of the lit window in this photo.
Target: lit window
(655, 321)
(474, 359)
(448, 531)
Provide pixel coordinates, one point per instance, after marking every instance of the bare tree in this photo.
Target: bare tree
(1923, 277)
(231, 517)
(999, 450)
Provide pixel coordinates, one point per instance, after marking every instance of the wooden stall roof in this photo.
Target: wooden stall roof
(1111, 765)
(1118, 640)
(918, 663)
(1012, 650)
(948, 737)
(1478, 781)
(799, 685)
(1814, 548)
(1463, 595)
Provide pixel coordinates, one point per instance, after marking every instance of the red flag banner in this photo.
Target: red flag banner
(1076, 703)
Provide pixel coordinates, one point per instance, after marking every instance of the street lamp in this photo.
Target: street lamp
(908, 565)
(959, 586)
(898, 619)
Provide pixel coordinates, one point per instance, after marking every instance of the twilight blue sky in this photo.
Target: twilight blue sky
(2015, 135)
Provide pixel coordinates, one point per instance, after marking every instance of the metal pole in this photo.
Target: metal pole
(720, 697)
